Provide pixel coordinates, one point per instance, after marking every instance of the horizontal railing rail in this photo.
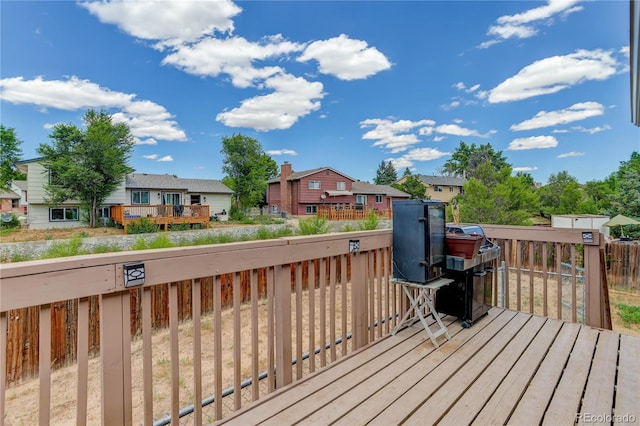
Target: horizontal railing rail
(235, 311)
(161, 214)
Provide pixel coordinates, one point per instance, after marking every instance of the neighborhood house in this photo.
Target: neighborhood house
(162, 195)
(304, 192)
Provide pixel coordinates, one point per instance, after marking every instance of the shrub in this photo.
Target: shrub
(142, 226)
(9, 222)
(313, 226)
(235, 213)
(370, 223)
(179, 227)
(267, 234)
(73, 247)
(161, 241)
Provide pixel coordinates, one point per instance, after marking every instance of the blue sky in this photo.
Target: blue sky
(339, 84)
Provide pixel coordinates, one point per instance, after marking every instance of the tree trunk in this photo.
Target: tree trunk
(92, 213)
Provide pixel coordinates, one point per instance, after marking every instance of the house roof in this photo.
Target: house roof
(368, 188)
(9, 194)
(164, 182)
(21, 184)
(305, 173)
(442, 180)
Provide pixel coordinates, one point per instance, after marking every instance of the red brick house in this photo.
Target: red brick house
(302, 193)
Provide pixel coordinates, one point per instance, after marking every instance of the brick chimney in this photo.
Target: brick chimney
(285, 197)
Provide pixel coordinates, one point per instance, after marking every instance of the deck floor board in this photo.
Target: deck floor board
(508, 367)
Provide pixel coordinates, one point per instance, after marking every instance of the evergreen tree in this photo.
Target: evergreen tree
(386, 174)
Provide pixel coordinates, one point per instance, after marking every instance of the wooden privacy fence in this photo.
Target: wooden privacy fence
(623, 264)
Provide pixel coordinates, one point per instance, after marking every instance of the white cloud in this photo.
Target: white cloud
(534, 142)
(576, 112)
(166, 158)
(345, 58)
(292, 98)
(151, 156)
(571, 154)
(525, 169)
(450, 106)
(524, 25)
(417, 154)
(396, 136)
(550, 75)
(284, 151)
(146, 119)
(455, 130)
(166, 20)
(592, 130)
(149, 141)
(234, 56)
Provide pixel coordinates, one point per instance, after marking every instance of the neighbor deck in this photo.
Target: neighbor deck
(508, 368)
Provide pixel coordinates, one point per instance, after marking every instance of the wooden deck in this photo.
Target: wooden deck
(509, 368)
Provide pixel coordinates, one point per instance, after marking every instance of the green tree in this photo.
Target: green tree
(87, 165)
(412, 186)
(561, 195)
(386, 174)
(248, 169)
(508, 200)
(407, 172)
(10, 152)
(466, 160)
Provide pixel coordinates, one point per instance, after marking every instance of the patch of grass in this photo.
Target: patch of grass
(313, 226)
(105, 248)
(161, 241)
(65, 249)
(347, 228)
(370, 223)
(629, 314)
(8, 231)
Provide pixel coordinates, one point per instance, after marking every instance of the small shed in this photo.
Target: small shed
(581, 221)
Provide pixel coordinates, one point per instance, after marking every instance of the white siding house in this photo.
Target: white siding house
(69, 214)
(136, 190)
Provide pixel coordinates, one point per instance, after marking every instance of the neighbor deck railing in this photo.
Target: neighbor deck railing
(162, 215)
(238, 314)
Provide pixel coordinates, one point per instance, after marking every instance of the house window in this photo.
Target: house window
(361, 199)
(104, 212)
(139, 197)
(378, 199)
(15, 203)
(311, 209)
(438, 188)
(54, 179)
(195, 199)
(341, 186)
(61, 214)
(314, 184)
(451, 188)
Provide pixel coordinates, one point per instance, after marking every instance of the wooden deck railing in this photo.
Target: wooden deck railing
(163, 215)
(253, 307)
